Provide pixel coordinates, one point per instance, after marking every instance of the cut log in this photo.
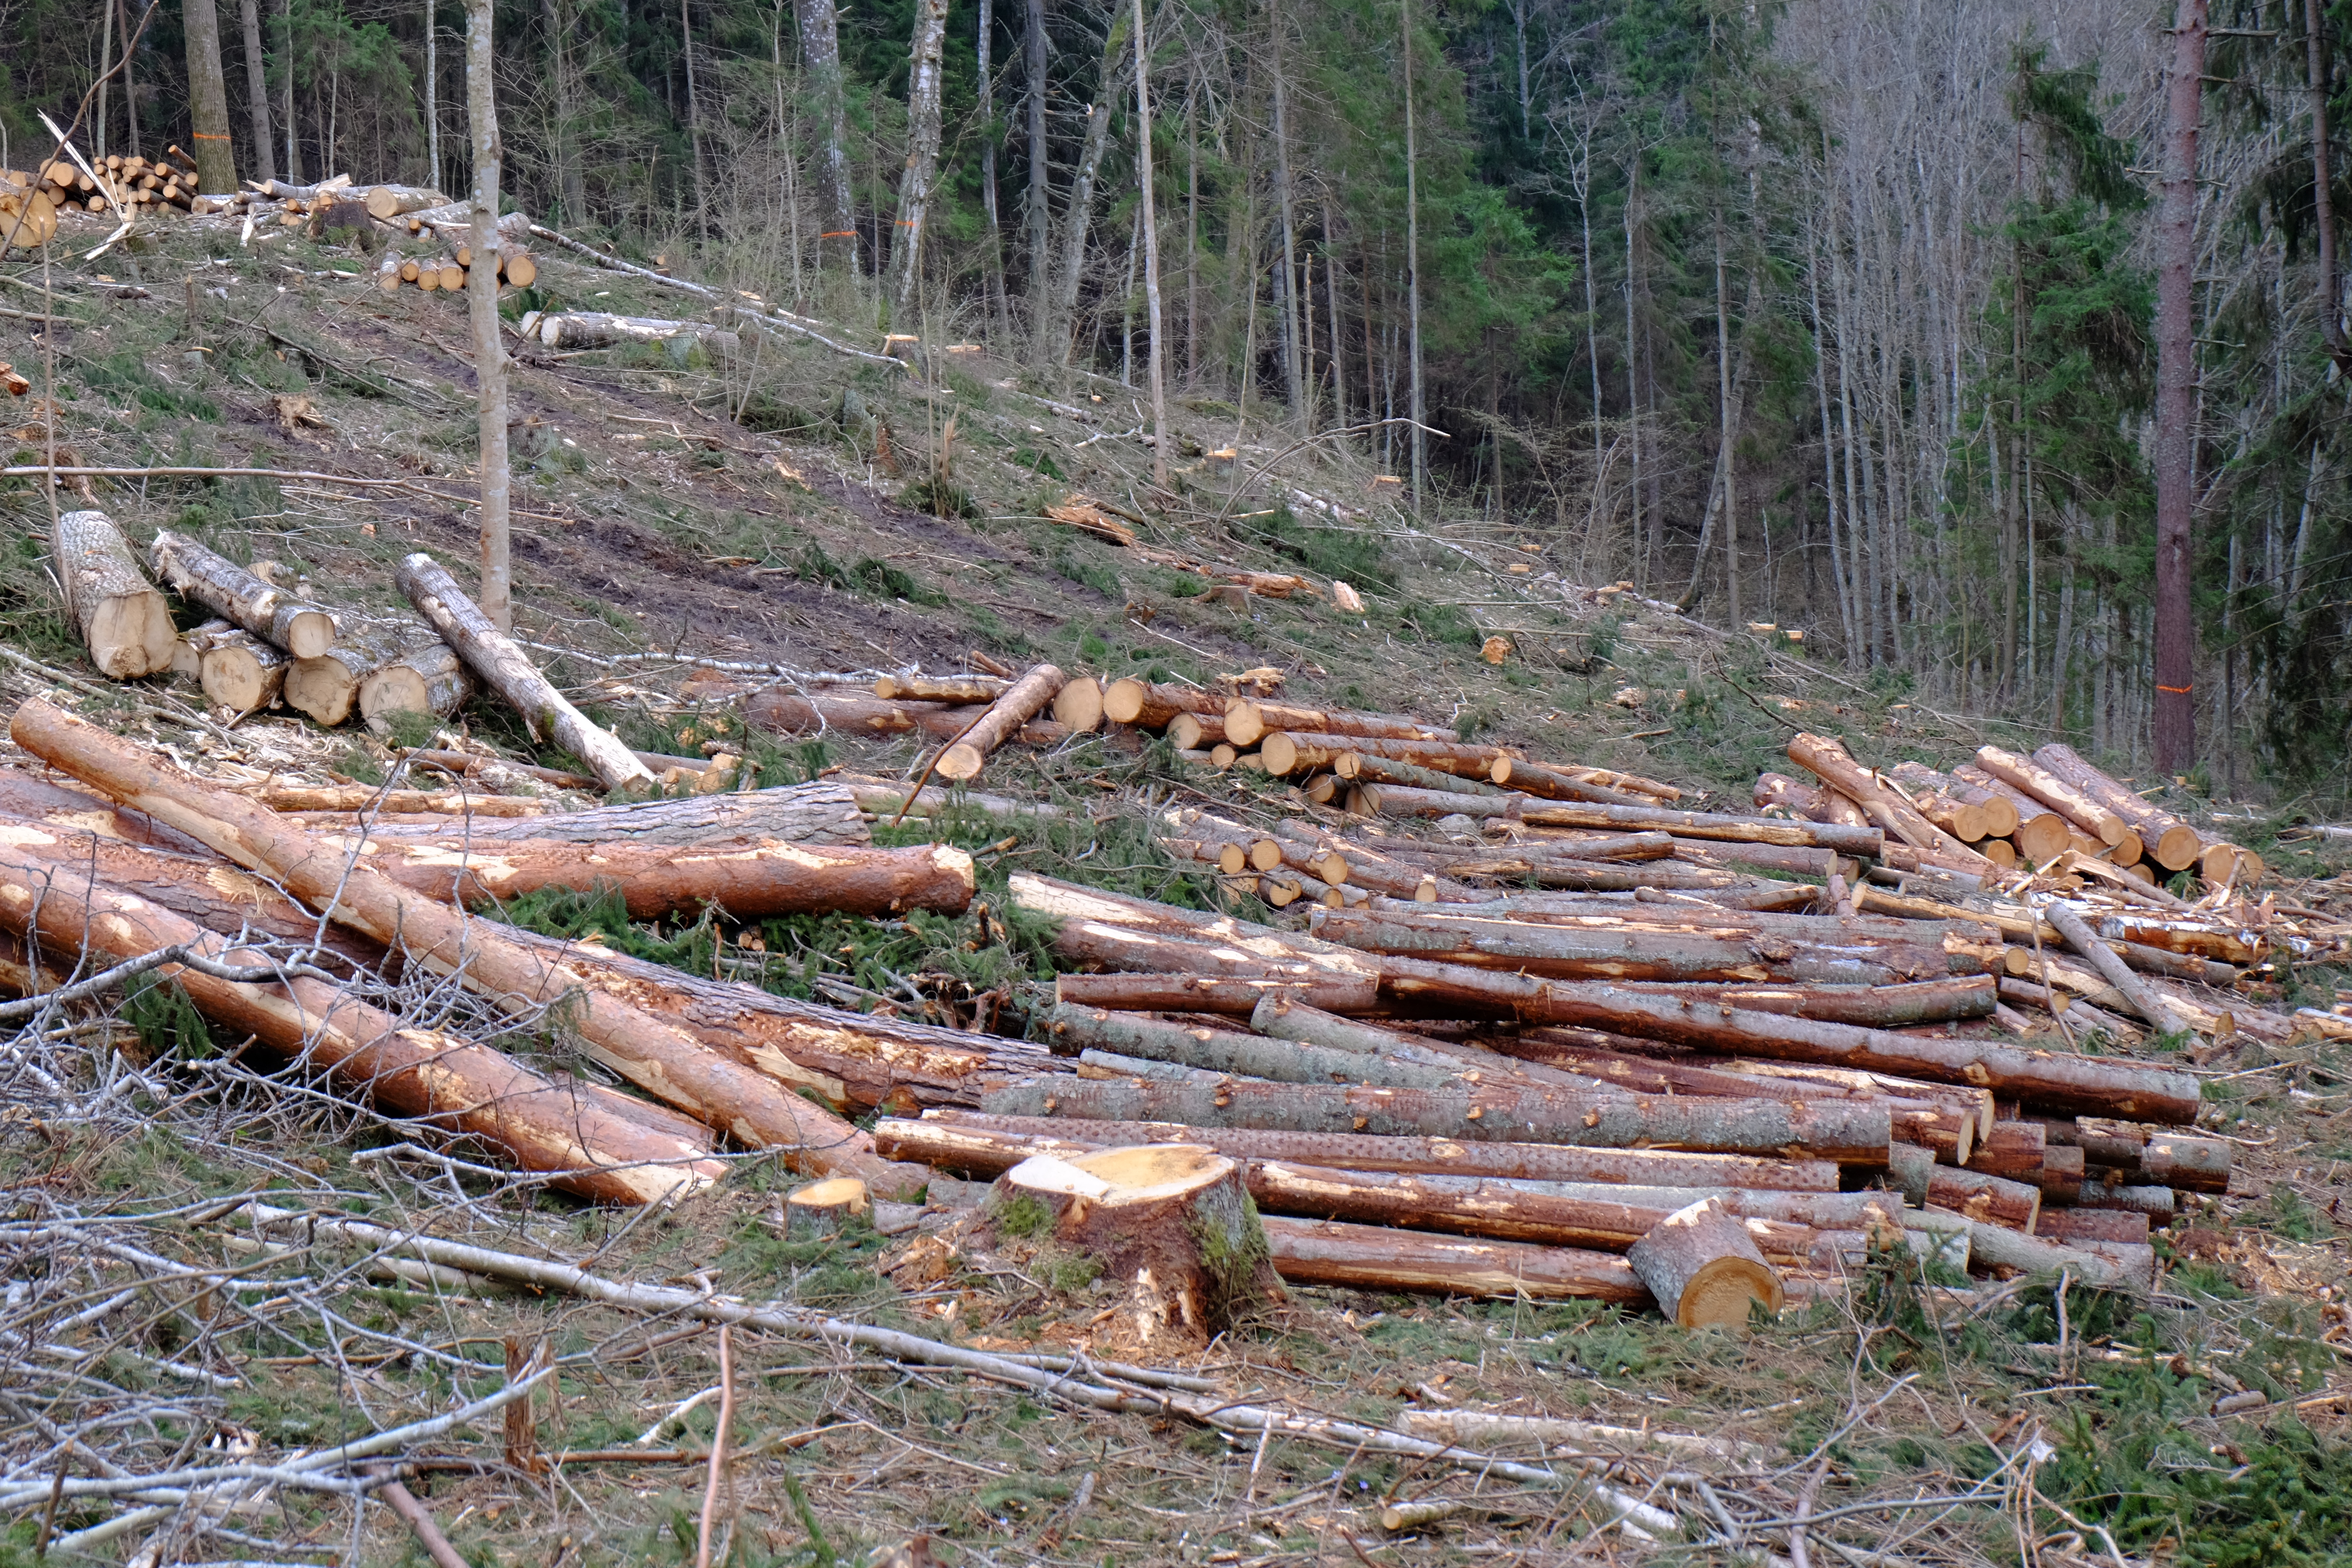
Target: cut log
(2023, 927)
(2077, 806)
(1376, 770)
(367, 799)
(594, 330)
(1230, 995)
(1704, 1269)
(504, 667)
(1558, 784)
(825, 811)
(1993, 1199)
(1021, 701)
(327, 687)
(786, 711)
(124, 622)
(1373, 1258)
(1079, 706)
(2000, 812)
(1248, 720)
(1994, 1246)
(1852, 1133)
(386, 203)
(1874, 1006)
(658, 1058)
(1169, 1225)
(1453, 757)
(1863, 843)
(1804, 802)
(2157, 1202)
(1828, 760)
(568, 1130)
(240, 672)
(1150, 706)
(1291, 1019)
(2079, 1227)
(984, 1144)
(188, 652)
(1249, 1056)
(2143, 999)
(2016, 1150)
(964, 689)
(819, 1210)
(302, 628)
(1196, 731)
(2147, 1154)
(427, 677)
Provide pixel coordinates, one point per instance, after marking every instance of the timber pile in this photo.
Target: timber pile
(114, 183)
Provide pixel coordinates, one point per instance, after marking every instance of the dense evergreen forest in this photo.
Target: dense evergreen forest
(1837, 314)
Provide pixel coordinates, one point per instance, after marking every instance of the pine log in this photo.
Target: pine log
(240, 671)
(2078, 1227)
(821, 1208)
(1786, 858)
(783, 710)
(1878, 1007)
(1196, 731)
(1122, 933)
(1021, 701)
(1169, 1225)
(2031, 777)
(2042, 835)
(1558, 784)
(748, 882)
(2144, 1000)
(1974, 1107)
(2157, 1202)
(361, 800)
(1372, 770)
(427, 677)
(663, 1060)
(472, 764)
(2000, 814)
(2155, 1156)
(1993, 1246)
(1569, 875)
(1852, 1133)
(2171, 843)
(2213, 942)
(1079, 706)
(2023, 927)
(1581, 849)
(1150, 706)
(304, 629)
(984, 1144)
(2016, 1150)
(1249, 720)
(1704, 1269)
(124, 622)
(1250, 1056)
(1291, 1018)
(505, 669)
(1993, 1199)
(1374, 1257)
(1910, 1168)
(1586, 1052)
(961, 689)
(822, 813)
(1972, 948)
(386, 203)
(1864, 843)
(561, 1127)
(1230, 995)
(1804, 802)
(1835, 766)
(1453, 757)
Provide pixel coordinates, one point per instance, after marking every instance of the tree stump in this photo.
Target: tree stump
(1170, 1225)
(123, 619)
(817, 1210)
(1704, 1269)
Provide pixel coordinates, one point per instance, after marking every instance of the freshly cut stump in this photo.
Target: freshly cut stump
(1704, 1269)
(1170, 1225)
(123, 619)
(817, 1210)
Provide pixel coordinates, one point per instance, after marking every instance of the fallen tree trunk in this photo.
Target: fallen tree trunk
(824, 813)
(1994, 1246)
(2144, 1001)
(1250, 1056)
(327, 687)
(304, 629)
(2171, 843)
(783, 710)
(1580, 850)
(1569, 875)
(1372, 1258)
(1999, 812)
(969, 1140)
(659, 1059)
(596, 329)
(1001, 721)
(1558, 784)
(505, 669)
(1222, 994)
(2025, 775)
(1874, 1006)
(1456, 757)
(1809, 803)
(362, 799)
(1852, 1133)
(240, 671)
(1150, 706)
(123, 620)
(567, 1130)
(1864, 843)
(1131, 933)
(2152, 1155)
(1291, 1018)
(426, 677)
(2023, 927)
(1372, 770)
(1794, 858)
(1829, 761)
(1248, 720)
(961, 688)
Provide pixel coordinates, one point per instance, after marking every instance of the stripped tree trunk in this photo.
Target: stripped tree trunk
(256, 91)
(1077, 218)
(2175, 725)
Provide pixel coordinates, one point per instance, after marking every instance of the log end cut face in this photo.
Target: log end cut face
(1704, 1269)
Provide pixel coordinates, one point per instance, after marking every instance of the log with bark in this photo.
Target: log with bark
(1150, 706)
(2042, 835)
(1119, 931)
(1993, 1199)
(2076, 805)
(1993, 1246)
(1374, 1257)
(2143, 999)
(1834, 765)
(1169, 1225)
(2148, 1156)
(2082, 1227)
(596, 329)
(2023, 927)
(327, 688)
(658, 1058)
(2171, 843)
(959, 688)
(1248, 720)
(1000, 721)
(1852, 1133)
(1876, 1007)
(1373, 770)
(1808, 802)
(1453, 757)
(304, 629)
(986, 1144)
(1250, 1056)
(1293, 1018)
(825, 811)
(1703, 1268)
(428, 677)
(2000, 813)
(588, 1140)
(1863, 843)
(236, 669)
(785, 710)
(123, 621)
(1236, 995)
(388, 202)
(1558, 784)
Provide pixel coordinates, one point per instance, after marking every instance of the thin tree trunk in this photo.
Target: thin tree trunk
(2176, 397)
(432, 99)
(821, 56)
(1036, 216)
(990, 135)
(1288, 295)
(1332, 298)
(497, 597)
(1154, 316)
(1413, 261)
(1829, 457)
(216, 154)
(1077, 221)
(2323, 195)
(694, 118)
(129, 81)
(256, 91)
(1191, 242)
(924, 74)
(105, 67)
(1633, 376)
(1519, 21)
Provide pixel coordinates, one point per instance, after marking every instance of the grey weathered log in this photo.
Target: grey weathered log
(425, 678)
(240, 671)
(1705, 1269)
(1252, 1055)
(504, 667)
(123, 619)
(820, 812)
(2143, 999)
(303, 628)
(327, 687)
(595, 329)
(1286, 1018)
(1864, 842)
(1999, 1247)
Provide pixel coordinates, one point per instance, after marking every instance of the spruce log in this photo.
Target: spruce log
(1285, 754)
(1704, 1269)
(1974, 1107)
(240, 671)
(2078, 1227)
(2023, 927)
(504, 667)
(1195, 731)
(822, 813)
(1372, 770)
(1250, 1056)
(1994, 1199)
(2212, 942)
(1829, 759)
(2076, 805)
(462, 807)
(2157, 1202)
(2171, 843)
(124, 622)
(1079, 706)
(1794, 858)
(1169, 1225)
(1119, 931)
(2143, 999)
(1285, 1017)
(1852, 1133)
(1558, 784)
(1579, 850)
(1876, 1007)
(327, 687)
(663, 1060)
(1809, 803)
(746, 882)
(425, 678)
(2042, 835)
(945, 1137)
(1581, 1051)
(959, 688)
(568, 1130)
(1021, 701)
(1974, 947)
(1587, 876)
(2000, 815)
(1150, 706)
(1455, 757)
(304, 629)
(1910, 1168)
(1374, 1257)
(1863, 843)
(386, 203)
(1222, 994)
(1992, 1246)
(2016, 1150)
(783, 710)
(1249, 720)
(2159, 1155)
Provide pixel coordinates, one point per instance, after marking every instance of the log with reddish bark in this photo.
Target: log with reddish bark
(2017, 1150)
(1373, 770)
(2042, 835)
(1878, 1007)
(1864, 843)
(1249, 720)
(1995, 1246)
(1852, 1133)
(1809, 803)
(1221, 994)
(1291, 1019)
(2081, 1227)
(2171, 843)
(1974, 1106)
(655, 881)
(2143, 999)
(2076, 805)
(1834, 765)
(1001, 721)
(1150, 706)
(1453, 757)
(2000, 812)
(1559, 784)
(1791, 859)
(1122, 933)
(570, 1130)
(658, 1058)
(2022, 927)
(1984, 1198)
(1374, 1257)
(785, 710)
(1587, 876)
(969, 1140)
(2146, 1155)
(1703, 1268)
(1378, 870)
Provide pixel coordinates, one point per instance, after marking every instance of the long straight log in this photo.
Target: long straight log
(1291, 1019)
(1122, 933)
(1252, 1055)
(303, 628)
(940, 688)
(2144, 1000)
(1866, 843)
(1150, 706)
(1568, 874)
(2000, 815)
(2021, 926)
(1852, 1133)
(2171, 843)
(1375, 769)
(2156, 1156)
(1981, 1196)
(507, 670)
(1874, 1006)
(1792, 858)
(1020, 702)
(1976, 946)
(1582, 848)
(1221, 994)
(1373, 1258)
(2078, 808)
(824, 813)
(783, 710)
(1828, 760)
(570, 1130)
(1249, 720)
(2041, 833)
(928, 1142)
(1995, 1246)
(658, 1058)
(1559, 784)
(1976, 1106)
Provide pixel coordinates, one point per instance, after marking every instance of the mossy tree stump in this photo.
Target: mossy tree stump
(1170, 1226)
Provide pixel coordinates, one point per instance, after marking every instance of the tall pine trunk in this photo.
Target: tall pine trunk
(2323, 195)
(820, 27)
(434, 175)
(1078, 220)
(216, 154)
(922, 157)
(990, 137)
(1150, 218)
(497, 597)
(2175, 714)
(1287, 295)
(1413, 261)
(257, 90)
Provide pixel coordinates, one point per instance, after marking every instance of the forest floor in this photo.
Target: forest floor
(781, 508)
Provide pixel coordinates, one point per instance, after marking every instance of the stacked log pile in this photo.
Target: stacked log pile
(114, 183)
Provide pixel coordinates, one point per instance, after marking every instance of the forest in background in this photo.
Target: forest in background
(1832, 314)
